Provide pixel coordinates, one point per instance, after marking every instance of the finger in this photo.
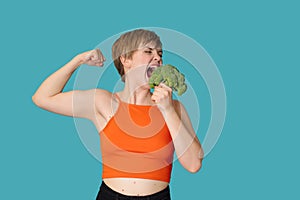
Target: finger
(162, 85)
(102, 57)
(98, 63)
(155, 98)
(156, 94)
(87, 56)
(159, 95)
(95, 56)
(100, 54)
(162, 91)
(159, 91)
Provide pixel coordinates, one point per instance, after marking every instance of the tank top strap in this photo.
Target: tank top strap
(116, 96)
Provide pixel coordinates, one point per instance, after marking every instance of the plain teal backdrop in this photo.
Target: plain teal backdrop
(255, 45)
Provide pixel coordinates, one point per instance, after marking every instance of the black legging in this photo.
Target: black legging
(106, 193)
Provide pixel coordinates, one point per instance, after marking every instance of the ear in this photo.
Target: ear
(125, 62)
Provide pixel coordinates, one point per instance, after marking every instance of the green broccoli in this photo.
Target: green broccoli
(170, 76)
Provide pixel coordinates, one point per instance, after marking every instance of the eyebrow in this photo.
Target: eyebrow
(158, 49)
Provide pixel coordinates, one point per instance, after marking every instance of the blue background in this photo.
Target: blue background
(255, 45)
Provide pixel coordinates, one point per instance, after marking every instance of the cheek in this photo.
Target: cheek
(140, 61)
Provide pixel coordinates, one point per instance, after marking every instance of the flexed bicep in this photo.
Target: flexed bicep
(76, 103)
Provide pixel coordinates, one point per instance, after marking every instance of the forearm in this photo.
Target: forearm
(55, 83)
(187, 146)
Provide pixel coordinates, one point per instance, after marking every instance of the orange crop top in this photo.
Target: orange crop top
(136, 143)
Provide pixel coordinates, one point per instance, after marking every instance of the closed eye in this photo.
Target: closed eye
(160, 53)
(150, 51)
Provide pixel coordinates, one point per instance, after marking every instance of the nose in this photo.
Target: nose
(157, 57)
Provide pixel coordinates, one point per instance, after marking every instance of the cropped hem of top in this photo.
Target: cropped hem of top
(136, 143)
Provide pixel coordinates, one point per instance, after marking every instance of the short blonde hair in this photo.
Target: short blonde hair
(129, 42)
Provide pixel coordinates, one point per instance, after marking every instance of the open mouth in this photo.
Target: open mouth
(150, 70)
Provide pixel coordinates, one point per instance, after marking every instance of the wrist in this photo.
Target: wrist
(78, 59)
(72, 65)
(170, 110)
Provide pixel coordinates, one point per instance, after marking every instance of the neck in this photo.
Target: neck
(134, 94)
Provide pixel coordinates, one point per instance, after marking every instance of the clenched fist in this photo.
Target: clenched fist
(93, 58)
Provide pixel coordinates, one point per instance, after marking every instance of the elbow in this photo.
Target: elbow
(195, 167)
(191, 163)
(34, 100)
(37, 101)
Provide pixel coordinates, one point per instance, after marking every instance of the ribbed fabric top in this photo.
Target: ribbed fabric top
(136, 143)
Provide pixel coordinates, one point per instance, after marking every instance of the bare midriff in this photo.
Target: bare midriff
(135, 186)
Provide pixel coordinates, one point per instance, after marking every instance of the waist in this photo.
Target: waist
(135, 186)
(163, 174)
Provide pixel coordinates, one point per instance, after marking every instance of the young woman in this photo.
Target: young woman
(139, 130)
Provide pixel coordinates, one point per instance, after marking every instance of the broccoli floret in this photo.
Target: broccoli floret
(169, 75)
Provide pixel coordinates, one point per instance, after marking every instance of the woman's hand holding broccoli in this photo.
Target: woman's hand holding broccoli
(170, 76)
(162, 96)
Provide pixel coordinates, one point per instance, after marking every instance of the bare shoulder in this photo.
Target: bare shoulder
(103, 101)
(103, 97)
(101, 94)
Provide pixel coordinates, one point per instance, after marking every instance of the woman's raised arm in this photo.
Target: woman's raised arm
(76, 103)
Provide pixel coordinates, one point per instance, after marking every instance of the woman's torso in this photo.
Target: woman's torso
(105, 110)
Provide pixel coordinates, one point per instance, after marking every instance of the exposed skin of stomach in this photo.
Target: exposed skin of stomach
(135, 186)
